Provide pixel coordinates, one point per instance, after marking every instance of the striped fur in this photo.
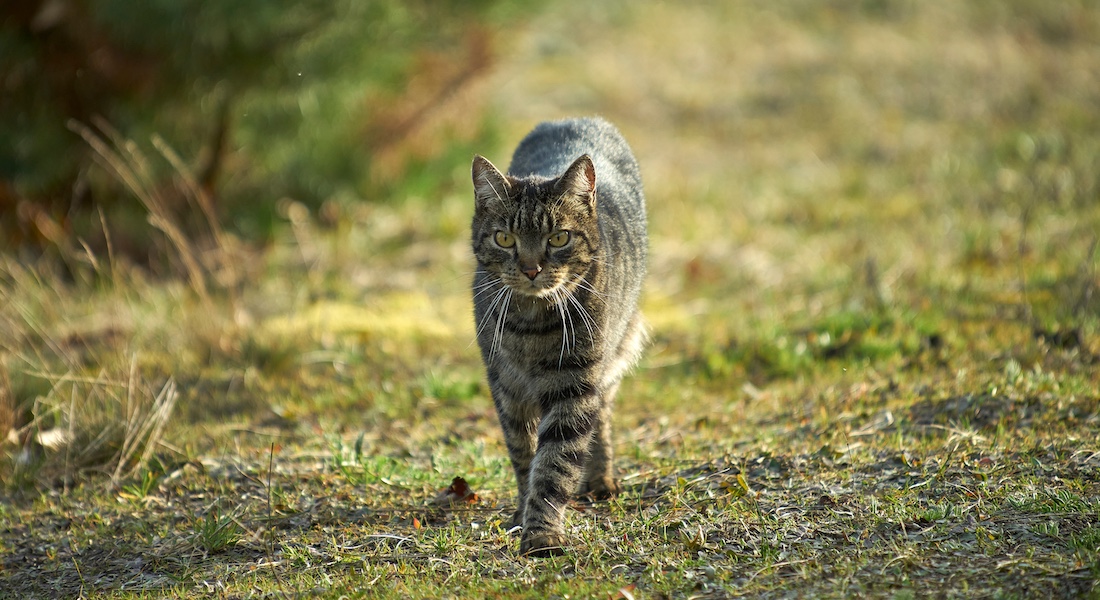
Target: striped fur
(558, 323)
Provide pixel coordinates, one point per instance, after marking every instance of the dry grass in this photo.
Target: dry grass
(875, 360)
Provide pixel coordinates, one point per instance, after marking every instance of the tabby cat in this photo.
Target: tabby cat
(560, 243)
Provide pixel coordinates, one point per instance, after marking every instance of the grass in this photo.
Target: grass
(873, 370)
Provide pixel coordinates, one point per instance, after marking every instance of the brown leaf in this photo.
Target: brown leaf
(458, 492)
(626, 593)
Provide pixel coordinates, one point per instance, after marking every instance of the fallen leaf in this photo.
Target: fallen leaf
(626, 593)
(458, 492)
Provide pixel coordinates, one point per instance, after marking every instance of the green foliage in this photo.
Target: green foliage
(846, 337)
(141, 489)
(1052, 501)
(450, 390)
(262, 98)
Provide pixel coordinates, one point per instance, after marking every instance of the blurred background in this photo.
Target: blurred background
(343, 101)
(822, 155)
(258, 100)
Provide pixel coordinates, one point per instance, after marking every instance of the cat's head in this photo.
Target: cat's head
(536, 234)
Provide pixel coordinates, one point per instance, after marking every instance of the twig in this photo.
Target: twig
(785, 563)
(270, 519)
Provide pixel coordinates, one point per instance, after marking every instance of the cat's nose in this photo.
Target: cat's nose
(531, 272)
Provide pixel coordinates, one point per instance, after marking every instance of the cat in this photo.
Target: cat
(561, 246)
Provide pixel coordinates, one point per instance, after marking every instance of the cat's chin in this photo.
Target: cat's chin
(538, 292)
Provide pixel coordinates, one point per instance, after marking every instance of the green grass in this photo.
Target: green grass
(874, 369)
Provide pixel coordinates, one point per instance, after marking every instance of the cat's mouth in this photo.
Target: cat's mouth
(543, 286)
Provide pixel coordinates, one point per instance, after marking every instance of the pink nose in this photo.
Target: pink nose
(532, 272)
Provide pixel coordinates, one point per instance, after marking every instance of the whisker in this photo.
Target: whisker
(568, 329)
(583, 284)
(564, 333)
(492, 307)
(488, 281)
(498, 333)
(486, 287)
(586, 318)
(572, 326)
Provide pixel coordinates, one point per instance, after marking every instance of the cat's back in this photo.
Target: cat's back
(553, 145)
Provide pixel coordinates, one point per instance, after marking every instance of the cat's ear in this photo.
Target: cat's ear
(489, 184)
(579, 181)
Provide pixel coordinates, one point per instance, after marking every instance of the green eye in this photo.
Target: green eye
(559, 239)
(504, 240)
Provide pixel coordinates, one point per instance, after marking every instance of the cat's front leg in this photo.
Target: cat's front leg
(599, 475)
(569, 421)
(519, 436)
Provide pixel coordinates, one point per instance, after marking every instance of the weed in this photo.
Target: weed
(216, 530)
(138, 491)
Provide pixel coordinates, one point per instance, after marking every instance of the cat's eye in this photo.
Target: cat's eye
(559, 239)
(504, 239)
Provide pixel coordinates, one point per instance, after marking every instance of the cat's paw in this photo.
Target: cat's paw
(542, 545)
(517, 519)
(601, 488)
